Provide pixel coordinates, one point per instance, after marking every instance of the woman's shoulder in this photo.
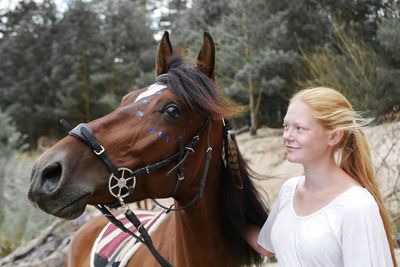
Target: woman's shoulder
(354, 206)
(356, 200)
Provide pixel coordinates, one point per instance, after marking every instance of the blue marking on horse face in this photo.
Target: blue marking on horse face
(151, 130)
(160, 134)
(139, 114)
(168, 138)
(146, 101)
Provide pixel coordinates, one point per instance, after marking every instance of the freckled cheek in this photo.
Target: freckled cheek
(316, 149)
(306, 144)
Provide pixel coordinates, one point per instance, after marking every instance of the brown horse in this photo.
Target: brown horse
(170, 130)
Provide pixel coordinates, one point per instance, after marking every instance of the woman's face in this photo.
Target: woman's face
(305, 139)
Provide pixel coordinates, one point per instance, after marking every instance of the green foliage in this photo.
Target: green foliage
(25, 63)
(61, 65)
(355, 69)
(358, 18)
(256, 61)
(6, 246)
(11, 140)
(307, 22)
(14, 176)
(77, 64)
(388, 35)
(19, 221)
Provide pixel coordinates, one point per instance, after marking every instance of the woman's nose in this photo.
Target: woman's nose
(287, 136)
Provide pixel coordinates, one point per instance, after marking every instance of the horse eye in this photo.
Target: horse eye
(172, 111)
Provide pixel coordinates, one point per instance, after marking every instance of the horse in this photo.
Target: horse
(173, 139)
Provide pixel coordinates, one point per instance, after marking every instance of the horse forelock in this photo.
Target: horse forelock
(197, 91)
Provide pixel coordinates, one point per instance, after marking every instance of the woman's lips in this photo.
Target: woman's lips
(291, 148)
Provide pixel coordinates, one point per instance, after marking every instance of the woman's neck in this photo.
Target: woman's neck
(321, 175)
(325, 176)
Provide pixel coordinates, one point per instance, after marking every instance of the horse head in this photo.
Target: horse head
(150, 125)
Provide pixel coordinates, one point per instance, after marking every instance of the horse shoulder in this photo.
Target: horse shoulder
(82, 242)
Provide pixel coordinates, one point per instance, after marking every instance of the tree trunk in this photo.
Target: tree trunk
(252, 102)
(86, 88)
(252, 107)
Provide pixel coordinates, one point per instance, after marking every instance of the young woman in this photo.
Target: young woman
(334, 215)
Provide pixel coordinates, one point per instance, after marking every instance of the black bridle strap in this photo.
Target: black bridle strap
(202, 180)
(180, 169)
(158, 165)
(84, 133)
(153, 167)
(146, 239)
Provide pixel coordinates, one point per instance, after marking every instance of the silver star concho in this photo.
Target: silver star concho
(122, 183)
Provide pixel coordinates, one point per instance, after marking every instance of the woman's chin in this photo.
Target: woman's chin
(293, 159)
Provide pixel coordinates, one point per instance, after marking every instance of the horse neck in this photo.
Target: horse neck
(199, 228)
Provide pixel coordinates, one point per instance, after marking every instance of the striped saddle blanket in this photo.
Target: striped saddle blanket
(114, 248)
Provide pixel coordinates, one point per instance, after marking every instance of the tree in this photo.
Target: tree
(359, 19)
(388, 37)
(24, 69)
(255, 59)
(354, 68)
(75, 65)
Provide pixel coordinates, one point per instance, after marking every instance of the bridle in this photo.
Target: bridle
(122, 180)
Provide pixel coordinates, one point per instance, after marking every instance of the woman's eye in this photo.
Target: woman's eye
(172, 111)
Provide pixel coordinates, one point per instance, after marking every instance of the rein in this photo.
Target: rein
(123, 179)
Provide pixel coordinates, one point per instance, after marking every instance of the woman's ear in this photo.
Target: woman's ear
(335, 137)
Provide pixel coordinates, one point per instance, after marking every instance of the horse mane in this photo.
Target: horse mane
(239, 206)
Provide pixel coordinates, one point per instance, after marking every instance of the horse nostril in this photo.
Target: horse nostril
(51, 176)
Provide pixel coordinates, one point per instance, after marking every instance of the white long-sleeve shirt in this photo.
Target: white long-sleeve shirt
(347, 232)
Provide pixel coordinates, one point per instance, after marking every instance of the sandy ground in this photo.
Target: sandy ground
(266, 155)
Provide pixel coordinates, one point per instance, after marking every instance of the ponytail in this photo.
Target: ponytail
(356, 161)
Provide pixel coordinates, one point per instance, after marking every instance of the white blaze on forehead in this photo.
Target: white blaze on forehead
(153, 89)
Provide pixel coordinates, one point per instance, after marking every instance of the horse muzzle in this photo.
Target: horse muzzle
(48, 192)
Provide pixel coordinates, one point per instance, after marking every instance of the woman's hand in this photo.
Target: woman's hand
(251, 238)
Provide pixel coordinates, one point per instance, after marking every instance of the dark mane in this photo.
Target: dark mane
(239, 207)
(203, 95)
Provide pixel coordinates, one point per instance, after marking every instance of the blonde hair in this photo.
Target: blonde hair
(333, 111)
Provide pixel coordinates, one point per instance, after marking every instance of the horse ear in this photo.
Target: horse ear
(164, 52)
(206, 58)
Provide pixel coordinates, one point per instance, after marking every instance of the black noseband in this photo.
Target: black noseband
(84, 133)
